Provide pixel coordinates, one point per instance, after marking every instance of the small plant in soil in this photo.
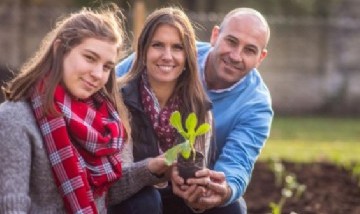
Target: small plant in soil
(291, 189)
(189, 160)
(354, 169)
(279, 171)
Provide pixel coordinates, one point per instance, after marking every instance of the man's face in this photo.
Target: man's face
(237, 48)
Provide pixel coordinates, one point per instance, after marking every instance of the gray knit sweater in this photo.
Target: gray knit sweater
(26, 181)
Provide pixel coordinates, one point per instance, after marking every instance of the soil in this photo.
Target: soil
(188, 167)
(330, 189)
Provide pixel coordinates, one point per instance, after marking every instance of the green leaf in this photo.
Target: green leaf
(175, 121)
(186, 151)
(203, 128)
(191, 122)
(172, 153)
(190, 135)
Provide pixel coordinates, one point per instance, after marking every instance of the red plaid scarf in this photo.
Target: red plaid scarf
(167, 135)
(83, 147)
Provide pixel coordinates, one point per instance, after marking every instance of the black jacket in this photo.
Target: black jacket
(143, 135)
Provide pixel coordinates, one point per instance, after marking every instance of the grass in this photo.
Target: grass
(314, 139)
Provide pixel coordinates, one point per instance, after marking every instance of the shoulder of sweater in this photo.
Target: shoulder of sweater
(259, 82)
(18, 112)
(15, 109)
(255, 79)
(202, 47)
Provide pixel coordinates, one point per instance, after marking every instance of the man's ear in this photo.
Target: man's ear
(214, 35)
(263, 55)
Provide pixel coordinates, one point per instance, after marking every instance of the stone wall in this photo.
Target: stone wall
(22, 28)
(311, 67)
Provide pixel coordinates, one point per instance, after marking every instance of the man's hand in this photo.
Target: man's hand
(218, 192)
(189, 193)
(207, 190)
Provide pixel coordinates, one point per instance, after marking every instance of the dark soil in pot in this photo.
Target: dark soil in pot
(188, 167)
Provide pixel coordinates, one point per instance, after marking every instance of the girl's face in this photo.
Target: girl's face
(87, 67)
(165, 57)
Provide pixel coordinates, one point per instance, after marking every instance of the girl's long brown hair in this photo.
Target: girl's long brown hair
(105, 24)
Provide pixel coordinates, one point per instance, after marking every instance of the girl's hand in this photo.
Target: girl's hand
(158, 167)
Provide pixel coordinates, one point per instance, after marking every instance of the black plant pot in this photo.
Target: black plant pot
(188, 167)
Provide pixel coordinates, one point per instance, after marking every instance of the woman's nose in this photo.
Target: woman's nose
(167, 54)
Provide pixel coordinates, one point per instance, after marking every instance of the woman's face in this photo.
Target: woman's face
(87, 67)
(165, 57)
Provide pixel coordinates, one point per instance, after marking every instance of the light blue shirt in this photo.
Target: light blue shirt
(243, 116)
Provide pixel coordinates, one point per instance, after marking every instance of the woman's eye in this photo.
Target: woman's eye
(156, 45)
(107, 68)
(178, 47)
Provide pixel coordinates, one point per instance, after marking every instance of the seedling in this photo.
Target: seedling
(279, 171)
(291, 187)
(188, 146)
(355, 171)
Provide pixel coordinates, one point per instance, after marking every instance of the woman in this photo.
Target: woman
(60, 128)
(163, 79)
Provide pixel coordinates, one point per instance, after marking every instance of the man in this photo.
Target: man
(241, 107)
(242, 111)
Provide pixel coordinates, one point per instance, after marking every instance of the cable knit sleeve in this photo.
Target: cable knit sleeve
(135, 177)
(15, 163)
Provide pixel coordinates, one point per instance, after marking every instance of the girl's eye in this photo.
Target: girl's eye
(89, 58)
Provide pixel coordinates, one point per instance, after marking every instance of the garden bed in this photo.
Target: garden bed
(330, 189)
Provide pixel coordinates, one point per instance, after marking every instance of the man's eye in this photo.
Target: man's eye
(250, 51)
(232, 42)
